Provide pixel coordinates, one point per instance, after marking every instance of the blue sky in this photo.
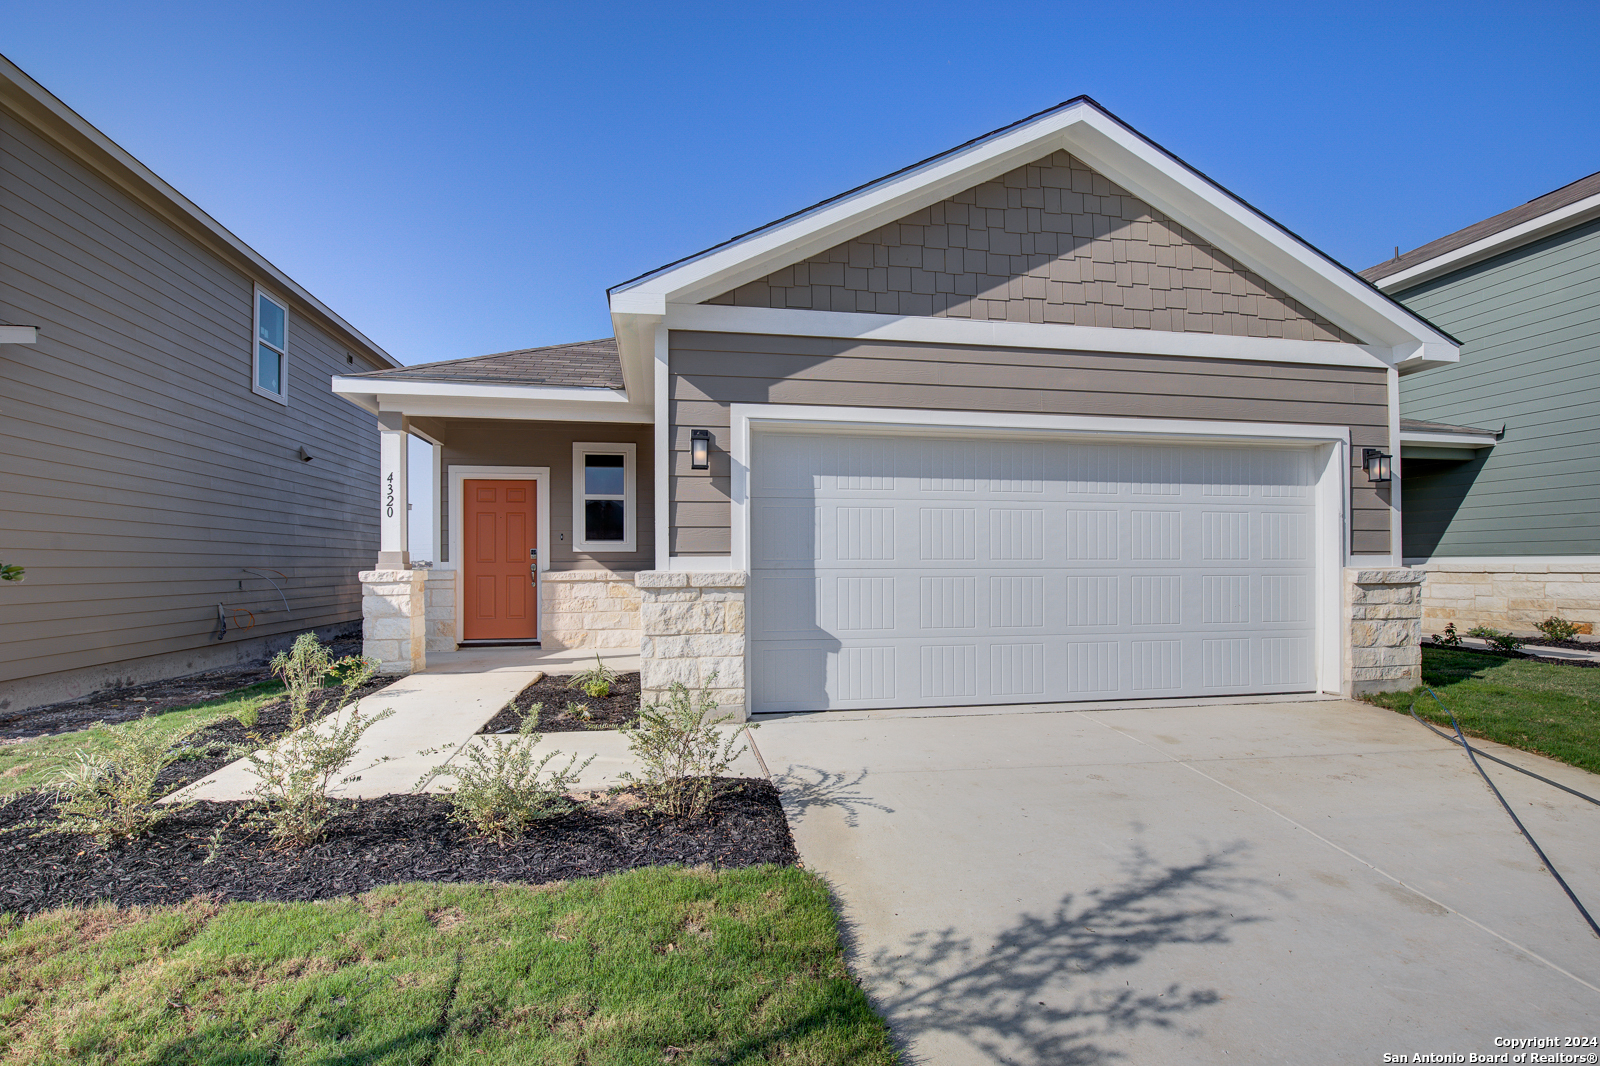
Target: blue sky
(468, 178)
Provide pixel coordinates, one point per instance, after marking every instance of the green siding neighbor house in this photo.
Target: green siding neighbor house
(1510, 533)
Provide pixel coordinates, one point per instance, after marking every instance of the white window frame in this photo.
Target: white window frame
(255, 347)
(630, 516)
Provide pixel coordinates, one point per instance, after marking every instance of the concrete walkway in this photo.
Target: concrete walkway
(1308, 882)
(442, 707)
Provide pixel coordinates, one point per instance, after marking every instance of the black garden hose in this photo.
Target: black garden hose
(1472, 756)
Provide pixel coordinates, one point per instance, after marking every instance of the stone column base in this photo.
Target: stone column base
(1383, 638)
(693, 632)
(588, 609)
(440, 611)
(393, 619)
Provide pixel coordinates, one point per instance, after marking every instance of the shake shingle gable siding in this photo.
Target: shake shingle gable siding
(583, 364)
(1051, 242)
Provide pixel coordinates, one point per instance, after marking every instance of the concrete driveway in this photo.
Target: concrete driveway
(1307, 882)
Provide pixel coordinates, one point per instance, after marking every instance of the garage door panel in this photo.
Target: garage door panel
(948, 571)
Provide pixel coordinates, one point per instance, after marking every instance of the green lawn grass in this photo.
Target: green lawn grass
(33, 763)
(1539, 707)
(660, 965)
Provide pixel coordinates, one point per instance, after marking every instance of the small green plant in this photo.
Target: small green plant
(580, 711)
(681, 749)
(250, 717)
(1449, 638)
(1499, 639)
(595, 682)
(295, 774)
(500, 789)
(111, 795)
(11, 572)
(304, 669)
(1557, 628)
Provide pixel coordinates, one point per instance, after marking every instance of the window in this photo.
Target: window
(270, 375)
(603, 518)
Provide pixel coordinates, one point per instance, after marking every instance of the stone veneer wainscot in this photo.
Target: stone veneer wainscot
(1512, 594)
(1384, 613)
(693, 628)
(588, 609)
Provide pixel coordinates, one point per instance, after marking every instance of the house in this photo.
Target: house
(1047, 417)
(180, 484)
(1506, 517)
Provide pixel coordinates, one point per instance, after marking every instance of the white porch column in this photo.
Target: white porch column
(393, 495)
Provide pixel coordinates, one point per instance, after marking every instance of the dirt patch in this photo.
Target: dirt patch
(373, 842)
(618, 709)
(140, 701)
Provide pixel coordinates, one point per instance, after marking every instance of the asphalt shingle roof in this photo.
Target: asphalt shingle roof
(1550, 201)
(582, 364)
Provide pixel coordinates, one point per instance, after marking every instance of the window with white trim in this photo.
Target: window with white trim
(269, 374)
(603, 513)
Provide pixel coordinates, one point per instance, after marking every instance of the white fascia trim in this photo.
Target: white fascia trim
(384, 387)
(1332, 488)
(1448, 440)
(720, 318)
(1573, 214)
(19, 334)
(1115, 151)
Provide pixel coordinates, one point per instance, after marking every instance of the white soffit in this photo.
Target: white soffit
(1116, 151)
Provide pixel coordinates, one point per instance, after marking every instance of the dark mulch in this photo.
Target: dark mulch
(614, 711)
(1578, 644)
(139, 701)
(374, 842)
(1586, 663)
(226, 740)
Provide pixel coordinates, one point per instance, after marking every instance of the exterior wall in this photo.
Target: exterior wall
(1511, 594)
(588, 609)
(693, 633)
(1053, 241)
(711, 371)
(499, 442)
(1529, 322)
(439, 614)
(142, 475)
(1383, 649)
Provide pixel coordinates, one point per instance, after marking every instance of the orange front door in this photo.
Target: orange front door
(497, 561)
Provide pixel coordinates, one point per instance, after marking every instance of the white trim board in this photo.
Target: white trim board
(540, 476)
(1534, 229)
(1506, 560)
(1332, 461)
(630, 496)
(1113, 149)
(19, 334)
(720, 318)
(1448, 440)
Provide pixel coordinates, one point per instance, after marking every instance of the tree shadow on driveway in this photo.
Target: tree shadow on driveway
(1044, 993)
(804, 789)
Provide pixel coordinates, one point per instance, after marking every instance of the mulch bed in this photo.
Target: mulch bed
(1497, 653)
(138, 701)
(614, 711)
(373, 842)
(1575, 645)
(224, 741)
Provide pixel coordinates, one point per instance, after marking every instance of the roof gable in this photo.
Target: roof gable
(1052, 241)
(1393, 334)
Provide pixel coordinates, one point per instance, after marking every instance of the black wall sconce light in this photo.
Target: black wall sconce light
(1377, 465)
(700, 449)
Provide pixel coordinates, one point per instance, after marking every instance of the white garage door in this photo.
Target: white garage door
(891, 571)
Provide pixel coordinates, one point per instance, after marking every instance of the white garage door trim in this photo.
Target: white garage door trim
(1331, 469)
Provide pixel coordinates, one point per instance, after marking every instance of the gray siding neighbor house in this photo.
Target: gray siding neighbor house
(161, 389)
(1048, 417)
(1508, 527)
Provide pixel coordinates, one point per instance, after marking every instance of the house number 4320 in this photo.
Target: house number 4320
(388, 500)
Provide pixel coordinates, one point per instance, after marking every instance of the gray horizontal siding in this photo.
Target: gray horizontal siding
(142, 474)
(1529, 322)
(710, 371)
(485, 442)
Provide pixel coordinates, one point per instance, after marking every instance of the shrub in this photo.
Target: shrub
(296, 772)
(1501, 640)
(681, 750)
(595, 682)
(500, 790)
(304, 669)
(1449, 638)
(1557, 628)
(111, 795)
